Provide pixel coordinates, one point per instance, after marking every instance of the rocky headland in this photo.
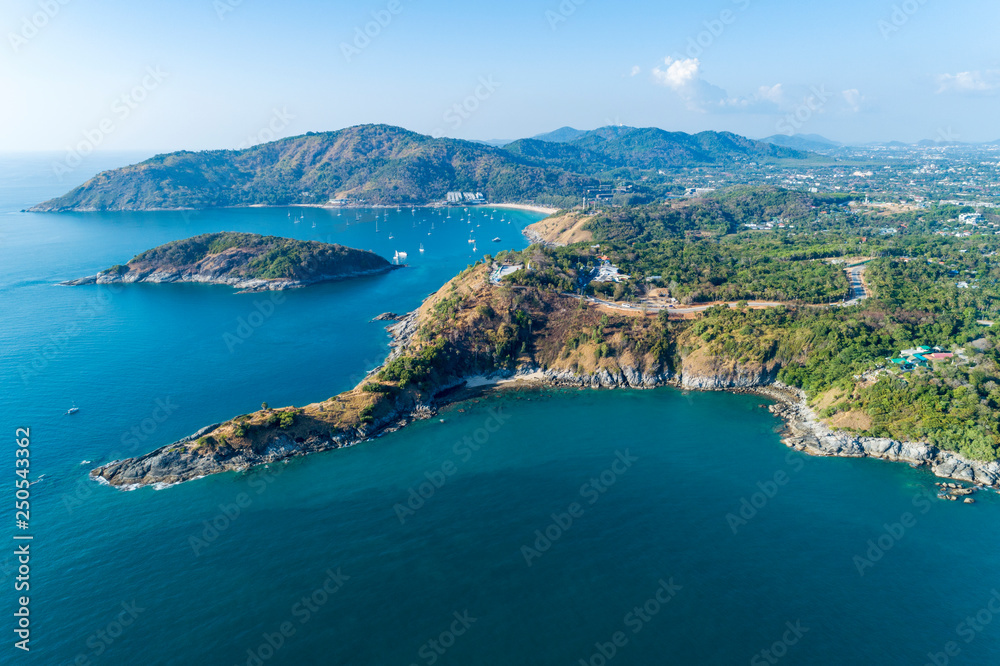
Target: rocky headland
(474, 336)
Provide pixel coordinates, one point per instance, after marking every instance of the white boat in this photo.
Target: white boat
(496, 240)
(421, 248)
(472, 240)
(399, 256)
(390, 235)
(72, 410)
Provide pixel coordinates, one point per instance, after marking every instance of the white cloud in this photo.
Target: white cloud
(853, 98)
(679, 74)
(969, 82)
(683, 76)
(635, 70)
(773, 93)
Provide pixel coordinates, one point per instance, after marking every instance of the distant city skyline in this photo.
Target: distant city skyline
(210, 74)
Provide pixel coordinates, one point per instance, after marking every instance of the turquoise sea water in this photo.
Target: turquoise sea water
(536, 527)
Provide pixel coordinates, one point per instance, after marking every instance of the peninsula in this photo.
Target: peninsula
(679, 295)
(250, 262)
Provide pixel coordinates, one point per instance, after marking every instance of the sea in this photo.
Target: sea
(533, 526)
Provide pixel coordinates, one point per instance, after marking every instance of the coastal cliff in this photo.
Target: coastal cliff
(472, 334)
(250, 262)
(806, 432)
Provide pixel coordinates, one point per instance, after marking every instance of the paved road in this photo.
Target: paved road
(683, 310)
(855, 277)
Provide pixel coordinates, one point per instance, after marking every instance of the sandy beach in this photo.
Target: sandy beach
(532, 207)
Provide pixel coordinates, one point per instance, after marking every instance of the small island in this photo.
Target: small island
(250, 262)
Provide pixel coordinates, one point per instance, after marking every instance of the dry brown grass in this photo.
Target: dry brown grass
(852, 420)
(564, 229)
(828, 399)
(338, 414)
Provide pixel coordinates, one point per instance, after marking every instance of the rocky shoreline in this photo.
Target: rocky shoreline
(536, 239)
(246, 285)
(804, 431)
(808, 434)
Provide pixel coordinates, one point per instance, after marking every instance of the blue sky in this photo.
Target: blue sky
(197, 74)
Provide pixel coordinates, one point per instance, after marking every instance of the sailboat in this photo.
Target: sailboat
(399, 256)
(72, 410)
(421, 248)
(390, 235)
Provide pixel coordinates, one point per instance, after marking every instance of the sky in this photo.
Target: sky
(158, 75)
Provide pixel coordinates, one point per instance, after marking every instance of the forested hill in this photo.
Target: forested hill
(723, 212)
(646, 148)
(381, 164)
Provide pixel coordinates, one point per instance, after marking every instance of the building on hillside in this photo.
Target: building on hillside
(921, 356)
(503, 271)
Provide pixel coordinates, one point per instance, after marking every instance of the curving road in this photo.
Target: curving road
(855, 278)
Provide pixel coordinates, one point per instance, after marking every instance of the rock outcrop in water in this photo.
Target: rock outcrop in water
(250, 262)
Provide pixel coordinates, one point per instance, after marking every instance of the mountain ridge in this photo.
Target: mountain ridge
(383, 164)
